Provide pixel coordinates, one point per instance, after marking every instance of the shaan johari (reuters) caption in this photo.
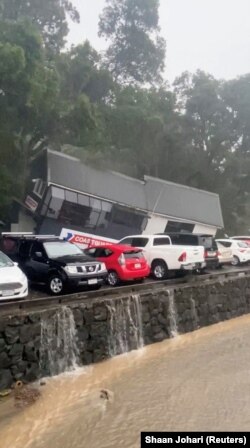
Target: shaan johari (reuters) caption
(206, 439)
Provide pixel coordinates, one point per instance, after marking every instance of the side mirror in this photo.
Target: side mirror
(15, 264)
(38, 255)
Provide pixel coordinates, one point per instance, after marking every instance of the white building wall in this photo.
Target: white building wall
(202, 228)
(25, 223)
(156, 224)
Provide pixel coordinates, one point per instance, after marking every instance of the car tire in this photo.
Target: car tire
(159, 270)
(56, 285)
(112, 278)
(236, 261)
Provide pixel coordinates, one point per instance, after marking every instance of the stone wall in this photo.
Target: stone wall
(46, 342)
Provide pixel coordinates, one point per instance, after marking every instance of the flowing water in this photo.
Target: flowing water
(172, 315)
(199, 381)
(126, 331)
(59, 352)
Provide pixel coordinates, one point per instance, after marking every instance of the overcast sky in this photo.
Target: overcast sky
(213, 35)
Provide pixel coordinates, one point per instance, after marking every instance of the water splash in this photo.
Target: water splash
(126, 331)
(59, 352)
(173, 327)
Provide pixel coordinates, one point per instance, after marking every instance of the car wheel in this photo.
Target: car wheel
(56, 285)
(236, 261)
(112, 278)
(159, 270)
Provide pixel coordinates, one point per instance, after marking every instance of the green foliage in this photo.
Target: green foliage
(49, 16)
(136, 52)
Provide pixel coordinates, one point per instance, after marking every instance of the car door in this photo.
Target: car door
(38, 264)
(104, 255)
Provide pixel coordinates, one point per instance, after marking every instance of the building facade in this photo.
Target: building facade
(64, 193)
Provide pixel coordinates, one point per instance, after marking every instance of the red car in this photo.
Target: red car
(123, 263)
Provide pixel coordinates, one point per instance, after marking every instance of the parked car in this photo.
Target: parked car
(225, 254)
(206, 241)
(246, 239)
(123, 263)
(240, 250)
(58, 264)
(164, 256)
(13, 282)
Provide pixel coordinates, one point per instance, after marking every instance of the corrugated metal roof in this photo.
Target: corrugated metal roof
(183, 202)
(155, 195)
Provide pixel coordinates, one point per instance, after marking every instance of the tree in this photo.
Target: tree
(49, 16)
(27, 99)
(136, 51)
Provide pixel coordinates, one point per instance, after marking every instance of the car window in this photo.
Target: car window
(9, 246)
(5, 262)
(127, 241)
(225, 243)
(241, 244)
(133, 254)
(37, 247)
(184, 240)
(206, 241)
(24, 249)
(91, 252)
(135, 242)
(98, 252)
(161, 241)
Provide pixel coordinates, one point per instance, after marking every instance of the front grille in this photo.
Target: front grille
(10, 286)
(89, 269)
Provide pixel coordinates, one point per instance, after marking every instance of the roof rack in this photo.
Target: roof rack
(28, 235)
(17, 233)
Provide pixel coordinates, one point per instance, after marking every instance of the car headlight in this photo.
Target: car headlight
(103, 267)
(23, 278)
(71, 269)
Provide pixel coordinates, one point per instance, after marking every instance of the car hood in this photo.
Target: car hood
(73, 259)
(11, 274)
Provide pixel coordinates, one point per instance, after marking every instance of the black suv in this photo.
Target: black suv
(58, 264)
(200, 239)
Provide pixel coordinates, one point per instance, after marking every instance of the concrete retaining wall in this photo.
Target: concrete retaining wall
(106, 327)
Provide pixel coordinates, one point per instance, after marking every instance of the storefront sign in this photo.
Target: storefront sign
(84, 240)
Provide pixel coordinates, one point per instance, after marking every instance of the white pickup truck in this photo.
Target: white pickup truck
(163, 256)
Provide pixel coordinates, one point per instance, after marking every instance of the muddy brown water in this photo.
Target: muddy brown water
(194, 382)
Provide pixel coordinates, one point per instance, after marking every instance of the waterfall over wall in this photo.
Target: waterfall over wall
(173, 326)
(126, 332)
(58, 352)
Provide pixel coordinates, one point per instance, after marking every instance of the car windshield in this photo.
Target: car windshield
(57, 249)
(5, 262)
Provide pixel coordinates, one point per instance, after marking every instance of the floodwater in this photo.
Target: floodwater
(195, 382)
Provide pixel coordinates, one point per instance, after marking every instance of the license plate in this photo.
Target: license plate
(92, 281)
(8, 293)
(137, 266)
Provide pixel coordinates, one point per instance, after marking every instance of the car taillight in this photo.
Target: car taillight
(121, 260)
(183, 257)
(218, 253)
(205, 253)
(242, 250)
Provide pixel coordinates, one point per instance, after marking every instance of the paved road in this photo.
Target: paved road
(40, 291)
